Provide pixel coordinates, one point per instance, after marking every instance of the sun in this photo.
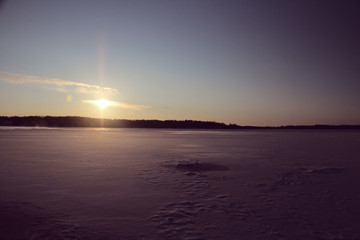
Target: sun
(102, 103)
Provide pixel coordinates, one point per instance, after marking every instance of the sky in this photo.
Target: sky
(244, 62)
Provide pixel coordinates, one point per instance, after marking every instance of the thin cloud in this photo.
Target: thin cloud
(61, 84)
(117, 104)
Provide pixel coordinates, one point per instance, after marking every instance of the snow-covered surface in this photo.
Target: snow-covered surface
(75, 183)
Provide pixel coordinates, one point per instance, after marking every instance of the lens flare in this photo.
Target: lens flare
(68, 98)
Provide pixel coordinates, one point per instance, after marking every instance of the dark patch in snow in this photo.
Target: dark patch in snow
(200, 167)
(328, 170)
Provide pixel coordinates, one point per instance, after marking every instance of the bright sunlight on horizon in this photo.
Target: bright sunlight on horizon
(102, 103)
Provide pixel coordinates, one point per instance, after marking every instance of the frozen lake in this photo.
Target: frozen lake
(81, 183)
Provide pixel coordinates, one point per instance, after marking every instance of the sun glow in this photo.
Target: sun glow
(102, 103)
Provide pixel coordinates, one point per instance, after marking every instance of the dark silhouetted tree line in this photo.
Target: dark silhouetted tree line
(48, 121)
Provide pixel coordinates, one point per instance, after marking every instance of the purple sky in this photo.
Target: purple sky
(244, 62)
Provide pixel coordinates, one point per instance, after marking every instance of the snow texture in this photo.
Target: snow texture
(83, 183)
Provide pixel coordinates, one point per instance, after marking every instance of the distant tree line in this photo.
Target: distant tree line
(69, 121)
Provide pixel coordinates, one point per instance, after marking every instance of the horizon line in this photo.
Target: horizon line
(183, 120)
